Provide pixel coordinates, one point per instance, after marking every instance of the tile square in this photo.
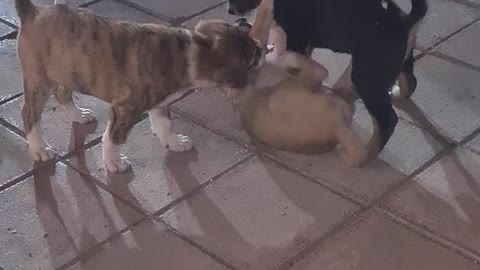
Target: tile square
(149, 246)
(447, 96)
(445, 198)
(408, 149)
(375, 243)
(159, 176)
(219, 12)
(464, 45)
(116, 10)
(258, 215)
(210, 107)
(15, 159)
(53, 217)
(443, 19)
(177, 9)
(10, 71)
(63, 135)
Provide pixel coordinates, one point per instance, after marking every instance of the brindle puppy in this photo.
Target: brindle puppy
(137, 68)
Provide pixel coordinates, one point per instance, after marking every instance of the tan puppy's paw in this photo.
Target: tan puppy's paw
(117, 165)
(178, 143)
(353, 154)
(80, 115)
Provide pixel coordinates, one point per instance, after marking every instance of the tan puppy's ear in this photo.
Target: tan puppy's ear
(243, 25)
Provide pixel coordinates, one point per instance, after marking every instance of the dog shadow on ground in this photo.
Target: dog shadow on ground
(70, 205)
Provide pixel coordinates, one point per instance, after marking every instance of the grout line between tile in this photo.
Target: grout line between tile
(331, 188)
(105, 187)
(92, 251)
(90, 3)
(37, 166)
(10, 98)
(12, 25)
(15, 181)
(429, 235)
(9, 36)
(453, 60)
(12, 128)
(302, 254)
(199, 246)
(202, 186)
(441, 41)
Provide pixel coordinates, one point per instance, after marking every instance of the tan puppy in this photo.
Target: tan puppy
(286, 106)
(137, 68)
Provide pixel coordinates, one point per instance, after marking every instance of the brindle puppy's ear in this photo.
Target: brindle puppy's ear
(211, 27)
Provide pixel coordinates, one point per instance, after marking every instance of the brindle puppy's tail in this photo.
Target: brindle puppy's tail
(25, 9)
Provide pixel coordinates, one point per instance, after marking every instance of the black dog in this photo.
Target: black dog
(378, 35)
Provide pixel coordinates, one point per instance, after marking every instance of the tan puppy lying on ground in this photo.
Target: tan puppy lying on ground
(286, 106)
(135, 67)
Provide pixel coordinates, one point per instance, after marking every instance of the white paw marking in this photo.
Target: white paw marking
(178, 143)
(117, 165)
(82, 116)
(39, 149)
(44, 153)
(396, 91)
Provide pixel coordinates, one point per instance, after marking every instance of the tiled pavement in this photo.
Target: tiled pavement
(233, 205)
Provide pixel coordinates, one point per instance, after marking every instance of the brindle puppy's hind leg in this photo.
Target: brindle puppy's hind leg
(74, 113)
(36, 95)
(161, 126)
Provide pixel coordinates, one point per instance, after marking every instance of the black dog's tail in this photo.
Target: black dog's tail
(419, 10)
(25, 9)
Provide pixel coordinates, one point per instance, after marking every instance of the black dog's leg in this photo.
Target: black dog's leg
(372, 80)
(410, 84)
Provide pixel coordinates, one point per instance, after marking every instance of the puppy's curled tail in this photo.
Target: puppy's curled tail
(418, 12)
(25, 9)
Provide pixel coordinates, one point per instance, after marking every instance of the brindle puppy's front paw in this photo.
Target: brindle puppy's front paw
(43, 153)
(117, 165)
(179, 143)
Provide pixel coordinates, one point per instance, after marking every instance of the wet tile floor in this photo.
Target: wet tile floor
(231, 205)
